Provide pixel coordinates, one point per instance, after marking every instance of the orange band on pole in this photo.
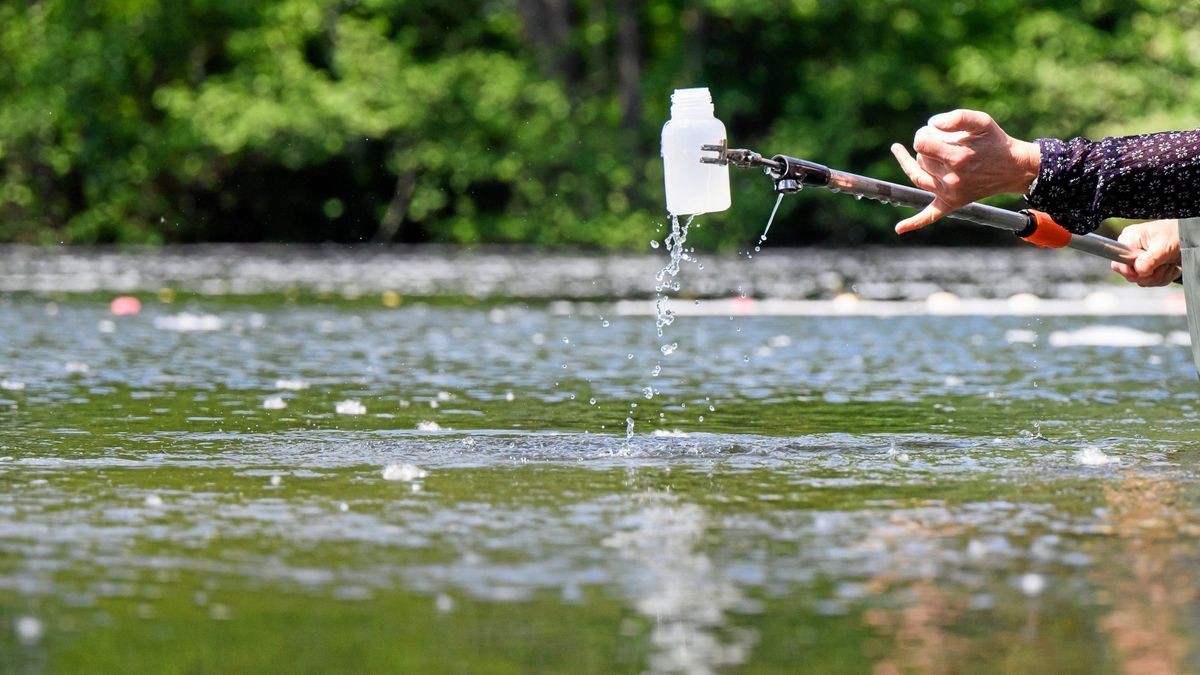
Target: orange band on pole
(1047, 233)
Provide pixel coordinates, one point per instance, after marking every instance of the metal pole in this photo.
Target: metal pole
(790, 174)
(980, 214)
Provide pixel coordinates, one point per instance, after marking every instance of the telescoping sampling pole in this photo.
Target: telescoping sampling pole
(791, 174)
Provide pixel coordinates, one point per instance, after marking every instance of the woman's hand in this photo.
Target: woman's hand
(963, 156)
(1157, 243)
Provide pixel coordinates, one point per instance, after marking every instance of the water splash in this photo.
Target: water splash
(665, 278)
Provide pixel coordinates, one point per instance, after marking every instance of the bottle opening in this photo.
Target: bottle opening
(694, 95)
(693, 101)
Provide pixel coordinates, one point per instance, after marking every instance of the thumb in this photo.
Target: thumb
(1149, 260)
(961, 120)
(936, 209)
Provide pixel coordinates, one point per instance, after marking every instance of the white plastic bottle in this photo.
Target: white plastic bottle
(693, 187)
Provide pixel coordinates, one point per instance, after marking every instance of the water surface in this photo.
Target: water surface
(800, 493)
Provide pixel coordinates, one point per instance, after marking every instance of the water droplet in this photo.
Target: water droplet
(667, 350)
(656, 371)
(653, 243)
(647, 393)
(592, 401)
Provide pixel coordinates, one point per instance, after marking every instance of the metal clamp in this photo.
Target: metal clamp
(743, 159)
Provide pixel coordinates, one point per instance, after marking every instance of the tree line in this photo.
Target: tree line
(527, 121)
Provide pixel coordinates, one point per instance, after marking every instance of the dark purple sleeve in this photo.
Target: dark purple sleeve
(1082, 182)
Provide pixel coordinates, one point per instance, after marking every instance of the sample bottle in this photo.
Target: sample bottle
(693, 187)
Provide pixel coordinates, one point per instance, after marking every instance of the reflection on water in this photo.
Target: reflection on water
(679, 587)
(1148, 580)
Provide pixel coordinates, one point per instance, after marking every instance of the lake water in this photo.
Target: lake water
(417, 461)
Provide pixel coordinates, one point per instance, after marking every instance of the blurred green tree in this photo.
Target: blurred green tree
(526, 121)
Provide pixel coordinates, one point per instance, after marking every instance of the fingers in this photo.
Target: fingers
(913, 170)
(923, 179)
(1155, 257)
(1125, 271)
(934, 212)
(940, 145)
(1141, 272)
(962, 120)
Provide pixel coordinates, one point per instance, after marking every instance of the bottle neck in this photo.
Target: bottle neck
(692, 109)
(695, 102)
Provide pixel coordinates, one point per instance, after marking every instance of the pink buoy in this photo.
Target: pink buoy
(125, 305)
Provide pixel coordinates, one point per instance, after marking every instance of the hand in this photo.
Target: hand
(1157, 244)
(963, 156)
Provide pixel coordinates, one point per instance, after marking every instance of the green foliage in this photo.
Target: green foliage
(525, 122)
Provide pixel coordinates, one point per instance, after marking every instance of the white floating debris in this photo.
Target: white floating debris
(508, 396)
(428, 426)
(1032, 584)
(1105, 336)
(189, 323)
(444, 603)
(444, 396)
(1019, 336)
(1093, 456)
(28, 629)
(153, 501)
(350, 407)
(403, 472)
(276, 480)
(75, 367)
(663, 433)
(106, 326)
(274, 403)
(291, 385)
(12, 385)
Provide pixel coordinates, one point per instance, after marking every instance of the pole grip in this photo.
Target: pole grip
(1043, 231)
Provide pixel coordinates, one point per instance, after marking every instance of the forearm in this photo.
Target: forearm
(1082, 182)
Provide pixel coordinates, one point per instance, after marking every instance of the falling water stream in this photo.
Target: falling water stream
(770, 220)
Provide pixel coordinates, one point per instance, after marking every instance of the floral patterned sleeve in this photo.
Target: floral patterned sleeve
(1082, 182)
